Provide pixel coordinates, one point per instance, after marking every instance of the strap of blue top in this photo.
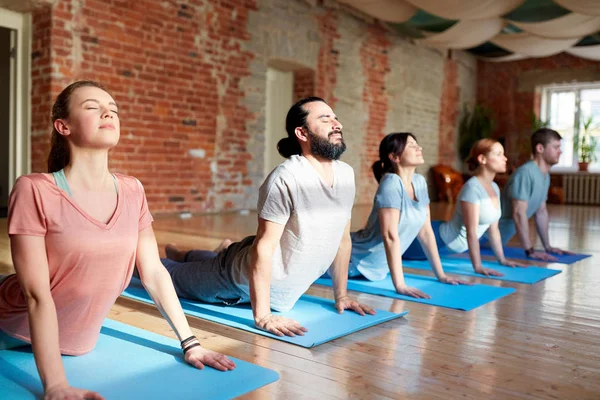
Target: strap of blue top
(61, 182)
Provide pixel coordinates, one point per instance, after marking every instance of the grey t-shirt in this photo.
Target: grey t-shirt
(454, 232)
(529, 184)
(315, 216)
(368, 251)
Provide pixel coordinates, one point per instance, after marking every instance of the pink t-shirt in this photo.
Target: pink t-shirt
(90, 262)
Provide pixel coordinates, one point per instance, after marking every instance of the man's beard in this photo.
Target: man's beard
(324, 148)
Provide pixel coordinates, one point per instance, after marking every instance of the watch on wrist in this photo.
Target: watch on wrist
(529, 251)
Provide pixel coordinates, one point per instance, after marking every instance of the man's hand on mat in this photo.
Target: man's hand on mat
(453, 281)
(488, 272)
(199, 357)
(541, 255)
(280, 326)
(512, 264)
(346, 303)
(412, 292)
(556, 250)
(66, 392)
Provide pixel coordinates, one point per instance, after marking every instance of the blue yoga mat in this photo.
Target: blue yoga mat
(518, 254)
(463, 266)
(316, 314)
(130, 363)
(460, 297)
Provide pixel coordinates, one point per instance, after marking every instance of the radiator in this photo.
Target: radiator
(581, 188)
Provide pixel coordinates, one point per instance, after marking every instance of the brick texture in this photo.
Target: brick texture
(190, 79)
(376, 65)
(304, 84)
(449, 111)
(509, 90)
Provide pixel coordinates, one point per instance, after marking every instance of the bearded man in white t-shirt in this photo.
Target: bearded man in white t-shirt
(304, 212)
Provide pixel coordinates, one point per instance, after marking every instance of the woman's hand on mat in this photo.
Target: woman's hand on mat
(453, 281)
(560, 252)
(412, 292)
(512, 264)
(542, 255)
(280, 326)
(488, 271)
(66, 392)
(346, 303)
(199, 357)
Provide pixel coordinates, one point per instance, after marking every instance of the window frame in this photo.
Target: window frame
(546, 92)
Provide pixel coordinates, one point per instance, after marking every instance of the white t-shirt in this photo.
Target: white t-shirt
(454, 232)
(315, 216)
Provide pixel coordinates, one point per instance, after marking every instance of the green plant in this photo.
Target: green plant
(584, 145)
(537, 123)
(474, 125)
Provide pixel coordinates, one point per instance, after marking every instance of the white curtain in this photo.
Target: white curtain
(465, 34)
(569, 26)
(531, 45)
(396, 11)
(589, 7)
(587, 52)
(467, 9)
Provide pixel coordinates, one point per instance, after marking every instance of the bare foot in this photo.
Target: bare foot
(224, 244)
(173, 253)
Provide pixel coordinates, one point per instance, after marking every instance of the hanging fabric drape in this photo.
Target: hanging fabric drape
(569, 26)
(466, 9)
(465, 34)
(531, 45)
(511, 57)
(524, 28)
(587, 52)
(588, 7)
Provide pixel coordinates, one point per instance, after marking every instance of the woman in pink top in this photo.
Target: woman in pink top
(75, 237)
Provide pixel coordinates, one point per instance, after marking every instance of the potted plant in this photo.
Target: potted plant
(473, 126)
(584, 145)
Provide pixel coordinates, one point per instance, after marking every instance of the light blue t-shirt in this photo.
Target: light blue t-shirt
(368, 252)
(454, 232)
(529, 184)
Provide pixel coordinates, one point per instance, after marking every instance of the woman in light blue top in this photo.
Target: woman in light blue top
(400, 213)
(477, 210)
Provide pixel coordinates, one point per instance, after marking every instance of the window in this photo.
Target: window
(565, 108)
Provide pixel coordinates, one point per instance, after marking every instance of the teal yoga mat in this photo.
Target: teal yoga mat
(316, 314)
(463, 266)
(131, 363)
(460, 297)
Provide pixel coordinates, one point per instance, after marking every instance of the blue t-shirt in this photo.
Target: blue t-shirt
(454, 232)
(368, 252)
(529, 184)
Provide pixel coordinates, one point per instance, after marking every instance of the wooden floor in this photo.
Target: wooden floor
(541, 342)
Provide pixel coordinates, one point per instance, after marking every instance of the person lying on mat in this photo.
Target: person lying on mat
(304, 209)
(525, 195)
(477, 211)
(75, 234)
(400, 213)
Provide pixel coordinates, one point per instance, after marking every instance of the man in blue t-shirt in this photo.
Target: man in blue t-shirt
(526, 193)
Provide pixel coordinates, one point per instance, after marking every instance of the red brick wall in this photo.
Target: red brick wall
(172, 69)
(304, 84)
(41, 93)
(449, 110)
(504, 88)
(326, 74)
(376, 65)
(184, 78)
